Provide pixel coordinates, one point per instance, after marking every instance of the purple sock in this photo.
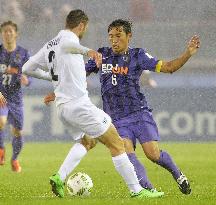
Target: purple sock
(166, 162)
(17, 144)
(140, 171)
(1, 139)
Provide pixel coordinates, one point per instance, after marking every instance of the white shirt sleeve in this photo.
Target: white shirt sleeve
(36, 67)
(74, 48)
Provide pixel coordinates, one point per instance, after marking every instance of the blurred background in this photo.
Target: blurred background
(183, 103)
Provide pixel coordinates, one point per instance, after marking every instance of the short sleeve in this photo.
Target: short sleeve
(148, 62)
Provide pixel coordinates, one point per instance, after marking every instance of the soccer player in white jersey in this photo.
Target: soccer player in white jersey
(60, 59)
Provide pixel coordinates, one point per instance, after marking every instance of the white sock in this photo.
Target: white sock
(126, 170)
(76, 153)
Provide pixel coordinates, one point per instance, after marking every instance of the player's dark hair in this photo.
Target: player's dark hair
(8, 23)
(127, 25)
(75, 17)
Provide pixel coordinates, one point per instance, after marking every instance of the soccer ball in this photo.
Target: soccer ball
(79, 184)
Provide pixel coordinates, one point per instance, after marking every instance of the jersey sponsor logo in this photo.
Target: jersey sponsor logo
(109, 68)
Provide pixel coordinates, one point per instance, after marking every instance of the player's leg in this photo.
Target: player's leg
(75, 155)
(17, 145)
(149, 140)
(139, 168)
(3, 121)
(125, 129)
(15, 118)
(124, 167)
(73, 158)
(163, 159)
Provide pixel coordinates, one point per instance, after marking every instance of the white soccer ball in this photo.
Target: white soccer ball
(79, 184)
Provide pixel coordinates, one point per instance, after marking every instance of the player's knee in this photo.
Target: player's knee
(16, 132)
(113, 141)
(116, 147)
(2, 124)
(88, 143)
(153, 155)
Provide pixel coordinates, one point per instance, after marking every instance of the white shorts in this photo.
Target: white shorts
(82, 117)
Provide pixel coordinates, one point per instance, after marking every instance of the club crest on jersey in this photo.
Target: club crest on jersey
(109, 68)
(125, 58)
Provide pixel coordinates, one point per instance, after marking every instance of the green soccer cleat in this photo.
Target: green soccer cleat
(144, 193)
(57, 185)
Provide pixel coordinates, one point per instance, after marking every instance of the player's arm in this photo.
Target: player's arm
(174, 65)
(25, 80)
(35, 70)
(75, 48)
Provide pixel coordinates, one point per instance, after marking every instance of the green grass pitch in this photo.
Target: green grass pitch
(40, 160)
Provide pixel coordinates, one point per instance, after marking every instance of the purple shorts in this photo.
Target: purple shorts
(139, 125)
(14, 115)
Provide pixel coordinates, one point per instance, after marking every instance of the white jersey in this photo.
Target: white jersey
(66, 69)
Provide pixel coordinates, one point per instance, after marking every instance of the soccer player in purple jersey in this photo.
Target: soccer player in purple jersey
(12, 58)
(120, 73)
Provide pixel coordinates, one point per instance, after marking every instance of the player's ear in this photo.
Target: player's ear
(129, 36)
(81, 25)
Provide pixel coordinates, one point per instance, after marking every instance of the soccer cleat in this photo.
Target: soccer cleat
(15, 166)
(57, 185)
(2, 156)
(144, 193)
(184, 184)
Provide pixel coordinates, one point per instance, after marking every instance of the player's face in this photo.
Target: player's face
(84, 28)
(9, 34)
(119, 40)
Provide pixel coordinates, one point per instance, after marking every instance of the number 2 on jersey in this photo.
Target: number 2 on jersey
(51, 58)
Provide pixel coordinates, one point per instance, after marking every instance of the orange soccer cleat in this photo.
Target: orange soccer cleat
(15, 166)
(2, 156)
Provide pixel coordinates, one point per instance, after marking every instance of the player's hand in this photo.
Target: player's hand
(24, 80)
(96, 56)
(193, 45)
(49, 98)
(3, 101)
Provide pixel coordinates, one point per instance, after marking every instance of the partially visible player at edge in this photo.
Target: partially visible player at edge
(61, 58)
(12, 58)
(122, 100)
